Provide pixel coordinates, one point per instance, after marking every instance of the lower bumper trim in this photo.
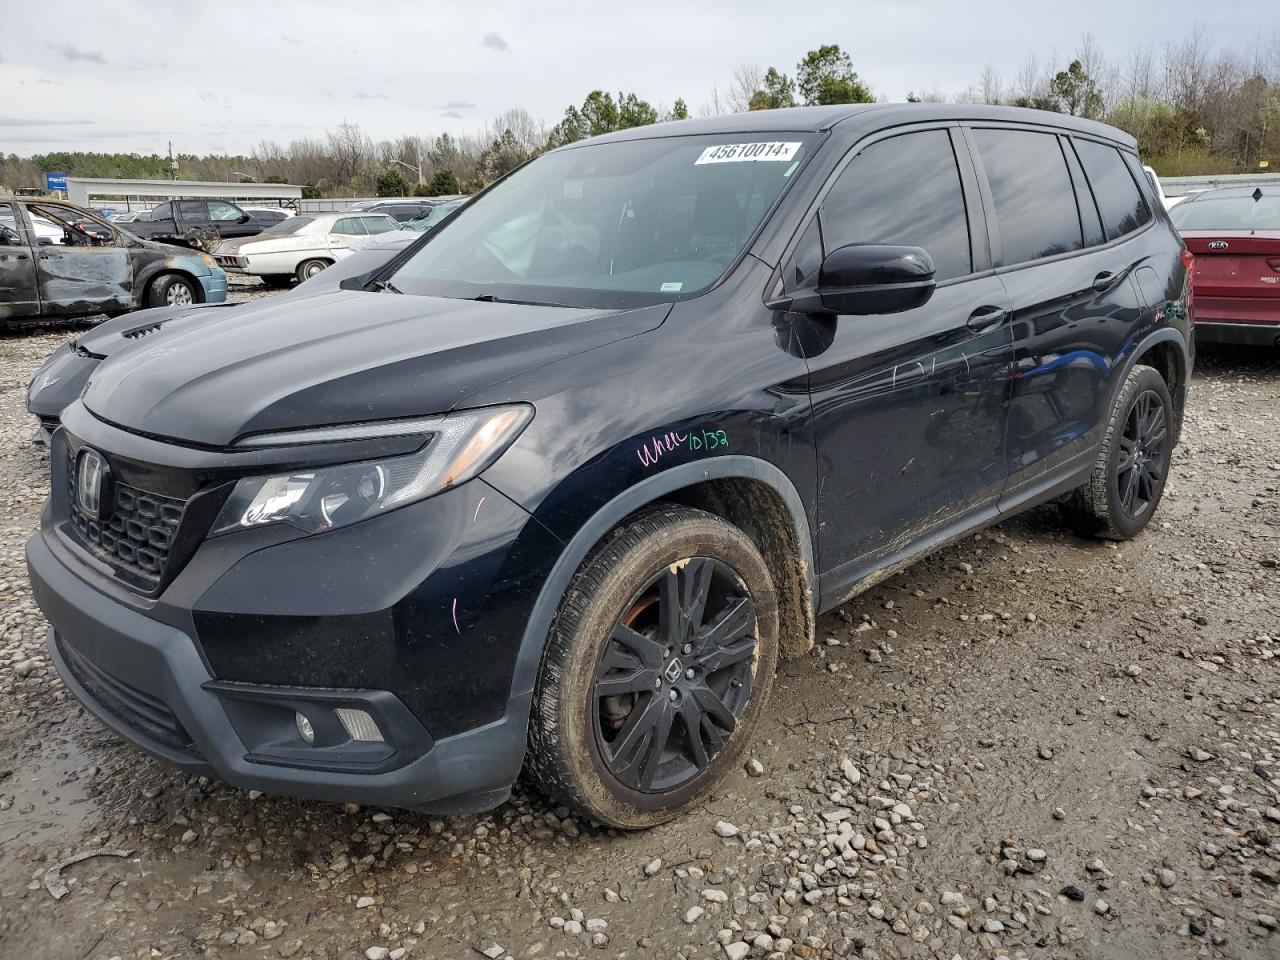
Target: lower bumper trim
(1245, 334)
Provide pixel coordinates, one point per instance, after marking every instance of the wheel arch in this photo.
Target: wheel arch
(748, 492)
(1166, 351)
(143, 289)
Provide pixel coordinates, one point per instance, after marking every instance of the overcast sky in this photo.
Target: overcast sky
(219, 77)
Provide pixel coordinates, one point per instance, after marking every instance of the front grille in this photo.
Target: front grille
(138, 534)
(147, 714)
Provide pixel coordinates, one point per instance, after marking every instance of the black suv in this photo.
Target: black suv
(556, 486)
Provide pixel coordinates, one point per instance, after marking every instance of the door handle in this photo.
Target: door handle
(984, 318)
(1104, 281)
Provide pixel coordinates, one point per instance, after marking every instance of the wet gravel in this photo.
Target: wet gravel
(1029, 745)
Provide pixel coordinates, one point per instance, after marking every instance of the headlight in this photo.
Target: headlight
(208, 260)
(457, 448)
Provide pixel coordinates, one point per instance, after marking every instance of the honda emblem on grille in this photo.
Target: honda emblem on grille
(92, 483)
(1218, 244)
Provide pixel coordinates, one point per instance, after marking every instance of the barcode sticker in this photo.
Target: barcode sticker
(776, 150)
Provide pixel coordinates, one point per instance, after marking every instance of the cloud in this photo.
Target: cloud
(457, 105)
(207, 97)
(24, 122)
(71, 54)
(371, 96)
(289, 38)
(453, 113)
(494, 41)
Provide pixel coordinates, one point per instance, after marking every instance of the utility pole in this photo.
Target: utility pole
(173, 164)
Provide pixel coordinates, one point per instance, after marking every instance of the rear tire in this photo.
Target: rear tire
(658, 666)
(172, 290)
(1133, 464)
(309, 268)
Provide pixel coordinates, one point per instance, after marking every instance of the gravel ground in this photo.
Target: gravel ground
(1030, 745)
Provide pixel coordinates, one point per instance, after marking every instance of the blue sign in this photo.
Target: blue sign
(55, 181)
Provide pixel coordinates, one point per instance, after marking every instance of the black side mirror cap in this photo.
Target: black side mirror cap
(872, 278)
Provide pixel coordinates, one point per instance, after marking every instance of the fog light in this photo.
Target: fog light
(305, 730)
(359, 725)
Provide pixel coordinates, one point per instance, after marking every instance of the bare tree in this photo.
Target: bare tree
(747, 79)
(990, 85)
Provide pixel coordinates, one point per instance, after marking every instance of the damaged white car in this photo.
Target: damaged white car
(300, 247)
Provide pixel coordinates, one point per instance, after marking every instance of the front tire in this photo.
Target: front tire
(659, 664)
(1133, 464)
(172, 290)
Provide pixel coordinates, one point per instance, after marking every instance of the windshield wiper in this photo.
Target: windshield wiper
(382, 286)
(492, 298)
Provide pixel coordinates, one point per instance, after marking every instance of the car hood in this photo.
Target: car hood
(346, 357)
(118, 333)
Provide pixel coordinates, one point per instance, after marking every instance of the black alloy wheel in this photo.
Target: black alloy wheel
(675, 675)
(1142, 461)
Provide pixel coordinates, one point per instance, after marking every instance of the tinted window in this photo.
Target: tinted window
(801, 271)
(1035, 207)
(1085, 203)
(905, 190)
(162, 212)
(192, 209)
(1122, 207)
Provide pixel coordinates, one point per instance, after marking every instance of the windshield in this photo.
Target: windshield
(287, 226)
(610, 224)
(1228, 213)
(433, 216)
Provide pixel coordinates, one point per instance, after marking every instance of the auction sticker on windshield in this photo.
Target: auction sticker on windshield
(748, 152)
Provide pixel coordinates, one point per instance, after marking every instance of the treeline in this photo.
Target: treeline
(1193, 110)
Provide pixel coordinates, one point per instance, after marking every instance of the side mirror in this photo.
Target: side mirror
(872, 278)
(244, 218)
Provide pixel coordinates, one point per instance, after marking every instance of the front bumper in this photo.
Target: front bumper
(146, 681)
(414, 618)
(214, 286)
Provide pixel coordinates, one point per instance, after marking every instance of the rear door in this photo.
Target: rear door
(85, 275)
(18, 291)
(1067, 269)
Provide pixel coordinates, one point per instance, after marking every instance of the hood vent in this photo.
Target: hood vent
(137, 333)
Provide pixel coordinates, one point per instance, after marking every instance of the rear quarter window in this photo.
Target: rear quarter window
(1120, 204)
(1035, 204)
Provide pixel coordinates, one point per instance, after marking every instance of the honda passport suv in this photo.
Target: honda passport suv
(556, 486)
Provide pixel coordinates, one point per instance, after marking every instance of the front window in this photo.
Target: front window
(1228, 213)
(220, 210)
(611, 224)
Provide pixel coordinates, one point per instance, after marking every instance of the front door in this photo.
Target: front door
(909, 408)
(18, 296)
(84, 274)
(230, 221)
